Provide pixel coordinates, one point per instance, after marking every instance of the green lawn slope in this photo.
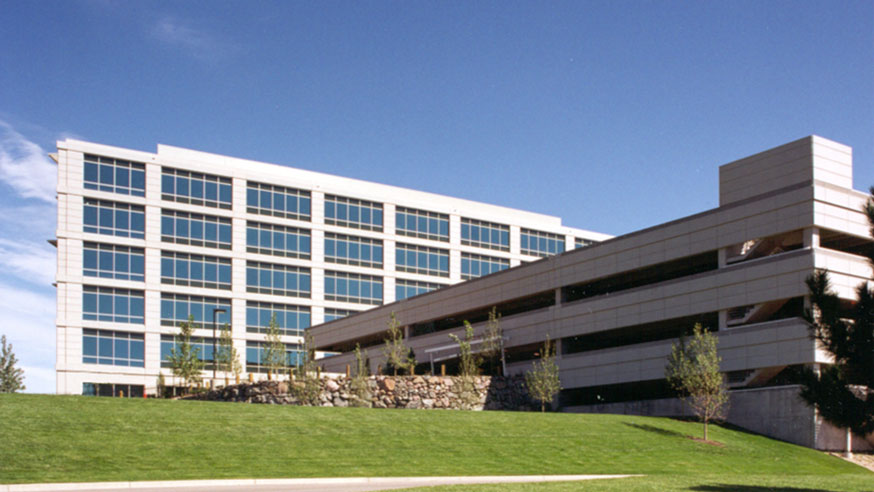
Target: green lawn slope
(71, 438)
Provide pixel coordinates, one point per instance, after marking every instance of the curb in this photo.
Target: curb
(388, 481)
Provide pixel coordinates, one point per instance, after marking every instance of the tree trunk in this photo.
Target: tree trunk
(705, 430)
(542, 406)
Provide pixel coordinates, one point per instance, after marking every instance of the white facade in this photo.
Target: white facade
(76, 368)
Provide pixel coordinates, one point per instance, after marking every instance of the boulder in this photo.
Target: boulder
(388, 384)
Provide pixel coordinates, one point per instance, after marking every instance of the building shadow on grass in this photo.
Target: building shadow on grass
(654, 429)
(750, 488)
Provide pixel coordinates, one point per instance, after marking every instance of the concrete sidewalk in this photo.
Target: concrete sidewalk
(362, 484)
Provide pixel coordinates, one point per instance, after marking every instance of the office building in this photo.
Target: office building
(146, 240)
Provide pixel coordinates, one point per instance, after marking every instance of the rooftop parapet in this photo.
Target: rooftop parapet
(797, 163)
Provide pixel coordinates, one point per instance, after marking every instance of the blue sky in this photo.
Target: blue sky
(614, 115)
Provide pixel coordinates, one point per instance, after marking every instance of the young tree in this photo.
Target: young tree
(542, 380)
(843, 392)
(493, 343)
(273, 355)
(308, 387)
(469, 362)
(358, 385)
(227, 358)
(11, 377)
(160, 386)
(397, 355)
(468, 368)
(693, 371)
(184, 359)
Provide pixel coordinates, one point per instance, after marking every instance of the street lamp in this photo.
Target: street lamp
(215, 312)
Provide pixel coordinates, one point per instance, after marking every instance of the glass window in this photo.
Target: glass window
(277, 240)
(409, 288)
(176, 308)
(113, 261)
(115, 348)
(277, 201)
(255, 356)
(114, 219)
(195, 229)
(422, 224)
(201, 347)
(279, 280)
(539, 243)
(182, 186)
(582, 242)
(422, 259)
(473, 266)
(352, 250)
(291, 320)
(485, 234)
(351, 212)
(112, 305)
(195, 270)
(114, 175)
(351, 287)
(332, 314)
(112, 389)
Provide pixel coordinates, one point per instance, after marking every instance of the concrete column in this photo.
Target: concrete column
(811, 237)
(515, 240)
(722, 256)
(570, 242)
(388, 218)
(454, 248)
(389, 293)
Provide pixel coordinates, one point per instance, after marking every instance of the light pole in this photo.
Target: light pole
(215, 311)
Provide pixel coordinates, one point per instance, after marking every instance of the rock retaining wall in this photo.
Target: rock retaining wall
(447, 392)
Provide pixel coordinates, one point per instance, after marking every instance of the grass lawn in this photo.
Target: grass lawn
(49, 438)
(705, 483)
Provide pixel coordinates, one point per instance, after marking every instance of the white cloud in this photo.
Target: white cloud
(36, 219)
(197, 43)
(27, 318)
(39, 379)
(25, 166)
(29, 261)
(22, 303)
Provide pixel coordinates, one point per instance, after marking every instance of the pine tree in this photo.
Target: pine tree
(542, 381)
(184, 359)
(273, 355)
(11, 377)
(693, 370)
(843, 392)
